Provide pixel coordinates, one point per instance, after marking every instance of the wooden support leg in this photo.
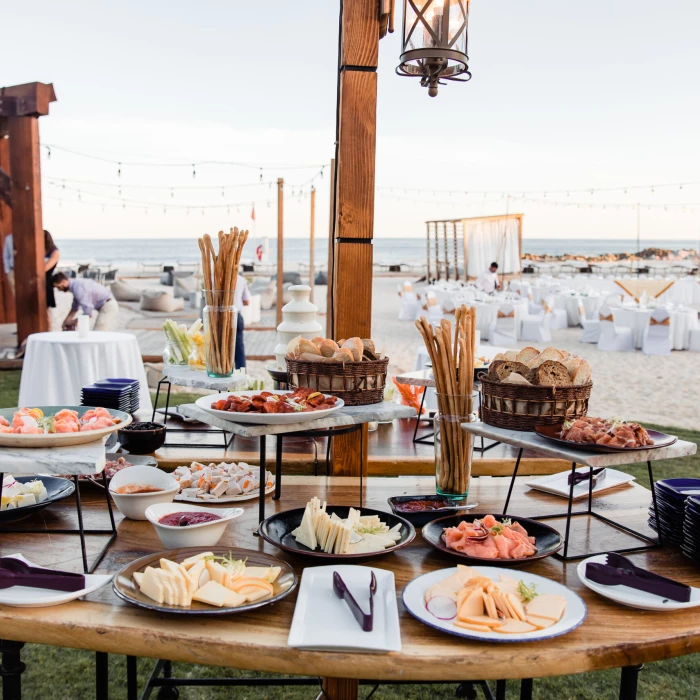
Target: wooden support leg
(340, 688)
(11, 669)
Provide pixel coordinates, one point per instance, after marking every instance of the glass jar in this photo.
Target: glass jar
(220, 321)
(172, 354)
(454, 447)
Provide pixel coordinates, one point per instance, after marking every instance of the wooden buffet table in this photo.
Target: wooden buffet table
(612, 636)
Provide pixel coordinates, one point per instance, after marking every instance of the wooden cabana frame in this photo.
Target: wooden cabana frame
(447, 246)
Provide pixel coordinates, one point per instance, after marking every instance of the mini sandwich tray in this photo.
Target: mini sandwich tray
(125, 587)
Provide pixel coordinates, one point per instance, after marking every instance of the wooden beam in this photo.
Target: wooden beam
(354, 197)
(331, 246)
(30, 99)
(28, 230)
(7, 298)
(311, 242)
(280, 249)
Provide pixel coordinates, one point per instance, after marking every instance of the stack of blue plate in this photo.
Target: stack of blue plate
(671, 496)
(118, 393)
(691, 529)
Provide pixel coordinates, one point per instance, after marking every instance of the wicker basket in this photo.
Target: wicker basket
(357, 383)
(521, 407)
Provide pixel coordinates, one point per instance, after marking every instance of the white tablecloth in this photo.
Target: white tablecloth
(682, 322)
(58, 365)
(569, 302)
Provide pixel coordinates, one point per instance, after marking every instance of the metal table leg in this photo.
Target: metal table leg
(278, 468)
(420, 412)
(628, 682)
(263, 468)
(512, 480)
(101, 675)
(500, 690)
(11, 669)
(132, 687)
(526, 689)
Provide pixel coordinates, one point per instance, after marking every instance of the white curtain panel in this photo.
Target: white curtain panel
(485, 237)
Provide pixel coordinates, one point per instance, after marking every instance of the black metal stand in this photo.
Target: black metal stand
(651, 543)
(11, 667)
(424, 439)
(227, 441)
(101, 675)
(628, 682)
(81, 529)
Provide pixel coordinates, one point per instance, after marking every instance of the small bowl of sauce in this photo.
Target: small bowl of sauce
(132, 489)
(183, 525)
(187, 519)
(420, 510)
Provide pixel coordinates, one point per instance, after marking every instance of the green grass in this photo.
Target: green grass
(68, 673)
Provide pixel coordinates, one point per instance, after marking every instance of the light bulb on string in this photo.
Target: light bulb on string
(194, 171)
(261, 174)
(165, 210)
(64, 184)
(120, 191)
(48, 153)
(223, 192)
(119, 170)
(80, 198)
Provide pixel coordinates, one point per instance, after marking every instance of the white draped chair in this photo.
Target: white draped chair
(433, 311)
(410, 307)
(613, 339)
(559, 318)
(502, 329)
(536, 326)
(657, 335)
(591, 327)
(694, 340)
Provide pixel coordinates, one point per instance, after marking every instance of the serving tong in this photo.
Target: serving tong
(343, 592)
(620, 571)
(580, 476)
(15, 572)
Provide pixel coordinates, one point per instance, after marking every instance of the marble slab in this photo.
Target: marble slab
(348, 415)
(532, 441)
(421, 377)
(184, 376)
(76, 459)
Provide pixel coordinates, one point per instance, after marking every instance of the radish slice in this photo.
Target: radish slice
(442, 607)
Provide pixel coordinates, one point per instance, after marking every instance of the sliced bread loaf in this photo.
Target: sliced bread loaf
(552, 373)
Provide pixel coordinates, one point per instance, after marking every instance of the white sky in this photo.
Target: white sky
(564, 95)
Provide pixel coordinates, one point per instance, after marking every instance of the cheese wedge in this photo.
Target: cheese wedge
(194, 573)
(516, 627)
(215, 594)
(539, 622)
(547, 605)
(255, 594)
(464, 573)
(171, 592)
(189, 562)
(517, 606)
(489, 605)
(216, 571)
(138, 577)
(481, 620)
(472, 605)
(474, 628)
(204, 578)
(152, 586)
(268, 573)
(306, 534)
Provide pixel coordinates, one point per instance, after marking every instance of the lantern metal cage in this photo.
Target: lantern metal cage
(434, 42)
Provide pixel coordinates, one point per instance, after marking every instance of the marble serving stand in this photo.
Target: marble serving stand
(426, 378)
(182, 375)
(72, 460)
(345, 420)
(525, 440)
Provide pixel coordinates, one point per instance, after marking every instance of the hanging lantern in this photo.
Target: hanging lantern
(434, 46)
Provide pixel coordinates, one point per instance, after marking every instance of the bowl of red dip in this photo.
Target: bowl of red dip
(420, 510)
(184, 525)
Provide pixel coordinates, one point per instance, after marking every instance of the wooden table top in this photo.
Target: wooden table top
(612, 635)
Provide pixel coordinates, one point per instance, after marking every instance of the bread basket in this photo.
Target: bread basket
(357, 383)
(522, 407)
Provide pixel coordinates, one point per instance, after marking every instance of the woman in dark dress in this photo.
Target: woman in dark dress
(51, 258)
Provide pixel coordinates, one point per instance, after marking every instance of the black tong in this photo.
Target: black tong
(620, 571)
(580, 476)
(341, 590)
(15, 572)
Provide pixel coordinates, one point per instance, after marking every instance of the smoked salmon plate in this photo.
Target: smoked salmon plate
(502, 538)
(32, 421)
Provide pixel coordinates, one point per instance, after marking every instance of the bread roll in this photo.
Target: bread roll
(292, 346)
(317, 340)
(504, 369)
(552, 373)
(328, 347)
(356, 347)
(527, 355)
(511, 355)
(306, 346)
(572, 363)
(499, 357)
(546, 355)
(582, 374)
(369, 351)
(343, 355)
(312, 357)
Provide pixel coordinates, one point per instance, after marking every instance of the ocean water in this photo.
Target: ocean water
(128, 252)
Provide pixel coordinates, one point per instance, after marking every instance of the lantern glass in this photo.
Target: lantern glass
(435, 40)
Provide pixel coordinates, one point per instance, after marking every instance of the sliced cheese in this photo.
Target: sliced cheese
(171, 591)
(472, 605)
(216, 571)
(191, 561)
(481, 620)
(204, 577)
(268, 573)
(474, 628)
(194, 573)
(515, 627)
(490, 605)
(152, 586)
(138, 577)
(306, 534)
(465, 573)
(517, 606)
(539, 622)
(547, 605)
(215, 594)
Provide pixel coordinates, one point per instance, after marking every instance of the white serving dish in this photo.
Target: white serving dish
(202, 535)
(322, 621)
(26, 597)
(574, 615)
(558, 484)
(205, 403)
(631, 596)
(134, 505)
(251, 495)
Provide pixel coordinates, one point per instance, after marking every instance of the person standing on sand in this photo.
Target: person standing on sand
(51, 258)
(241, 298)
(487, 281)
(89, 296)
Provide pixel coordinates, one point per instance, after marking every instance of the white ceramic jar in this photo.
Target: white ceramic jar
(298, 319)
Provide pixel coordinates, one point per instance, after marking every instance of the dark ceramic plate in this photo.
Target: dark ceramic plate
(57, 488)
(551, 432)
(125, 586)
(547, 539)
(277, 530)
(420, 518)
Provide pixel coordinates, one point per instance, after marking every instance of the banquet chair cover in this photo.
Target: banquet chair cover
(694, 340)
(502, 328)
(410, 308)
(559, 318)
(611, 338)
(657, 334)
(591, 327)
(537, 327)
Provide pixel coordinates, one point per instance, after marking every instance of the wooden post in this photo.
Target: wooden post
(331, 250)
(280, 249)
(311, 244)
(354, 197)
(7, 298)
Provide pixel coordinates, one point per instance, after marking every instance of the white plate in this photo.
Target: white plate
(26, 597)
(322, 621)
(574, 615)
(205, 403)
(558, 484)
(225, 499)
(631, 596)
